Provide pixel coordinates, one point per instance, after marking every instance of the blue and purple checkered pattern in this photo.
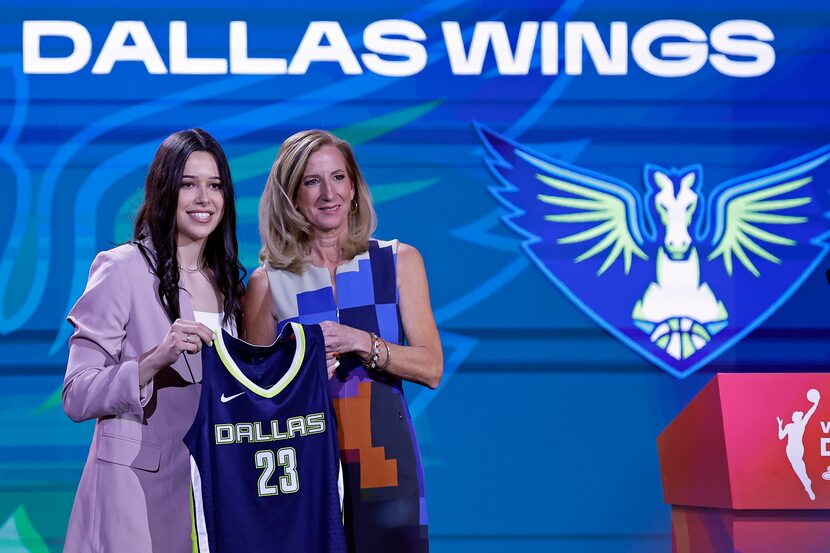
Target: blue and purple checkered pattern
(385, 505)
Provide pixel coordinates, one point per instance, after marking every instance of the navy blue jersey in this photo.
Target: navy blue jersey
(263, 447)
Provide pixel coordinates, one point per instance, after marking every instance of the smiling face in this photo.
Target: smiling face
(201, 199)
(326, 191)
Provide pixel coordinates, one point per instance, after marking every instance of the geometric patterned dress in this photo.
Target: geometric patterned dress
(384, 505)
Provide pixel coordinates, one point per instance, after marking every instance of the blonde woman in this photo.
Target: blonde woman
(371, 298)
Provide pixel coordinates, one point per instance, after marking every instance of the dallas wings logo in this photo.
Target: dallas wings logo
(677, 273)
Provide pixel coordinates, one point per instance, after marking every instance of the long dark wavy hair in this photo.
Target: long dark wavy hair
(156, 223)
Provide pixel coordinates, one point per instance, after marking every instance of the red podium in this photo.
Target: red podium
(740, 481)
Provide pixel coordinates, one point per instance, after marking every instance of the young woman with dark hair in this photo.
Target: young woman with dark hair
(149, 305)
(155, 223)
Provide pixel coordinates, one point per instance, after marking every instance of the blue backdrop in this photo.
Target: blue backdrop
(542, 434)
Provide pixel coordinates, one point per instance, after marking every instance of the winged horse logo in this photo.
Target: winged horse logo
(676, 274)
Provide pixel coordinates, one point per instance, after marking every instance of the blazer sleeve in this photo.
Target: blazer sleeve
(98, 381)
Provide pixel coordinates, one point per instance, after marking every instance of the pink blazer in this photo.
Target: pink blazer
(134, 493)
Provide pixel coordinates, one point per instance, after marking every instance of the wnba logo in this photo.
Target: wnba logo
(794, 432)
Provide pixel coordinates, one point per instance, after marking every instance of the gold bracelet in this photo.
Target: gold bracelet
(388, 356)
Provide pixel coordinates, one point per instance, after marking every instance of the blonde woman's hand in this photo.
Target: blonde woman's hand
(332, 362)
(343, 339)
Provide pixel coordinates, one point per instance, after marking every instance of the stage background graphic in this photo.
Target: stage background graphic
(542, 434)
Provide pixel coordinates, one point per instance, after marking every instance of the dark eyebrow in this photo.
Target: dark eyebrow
(194, 176)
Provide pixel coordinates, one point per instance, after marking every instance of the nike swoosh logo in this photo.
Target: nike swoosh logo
(225, 399)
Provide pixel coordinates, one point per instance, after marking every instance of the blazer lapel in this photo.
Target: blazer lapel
(186, 310)
(193, 359)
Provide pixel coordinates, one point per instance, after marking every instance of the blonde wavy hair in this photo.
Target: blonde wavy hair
(284, 231)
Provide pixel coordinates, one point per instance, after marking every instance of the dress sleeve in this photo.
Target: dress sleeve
(98, 381)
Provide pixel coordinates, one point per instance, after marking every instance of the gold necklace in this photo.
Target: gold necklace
(192, 271)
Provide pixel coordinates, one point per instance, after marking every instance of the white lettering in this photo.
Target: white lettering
(375, 39)
(724, 40)
(607, 62)
(550, 48)
(34, 31)
(684, 57)
(316, 423)
(825, 447)
(181, 64)
(484, 34)
(224, 433)
(825, 427)
(116, 49)
(311, 49)
(296, 425)
(397, 48)
(241, 64)
(244, 432)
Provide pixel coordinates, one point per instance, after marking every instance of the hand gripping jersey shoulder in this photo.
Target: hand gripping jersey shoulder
(263, 446)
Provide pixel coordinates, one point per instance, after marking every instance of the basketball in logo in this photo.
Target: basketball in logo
(680, 337)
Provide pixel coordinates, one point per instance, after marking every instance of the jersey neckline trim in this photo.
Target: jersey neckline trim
(293, 370)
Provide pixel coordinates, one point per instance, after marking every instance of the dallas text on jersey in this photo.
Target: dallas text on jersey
(251, 432)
